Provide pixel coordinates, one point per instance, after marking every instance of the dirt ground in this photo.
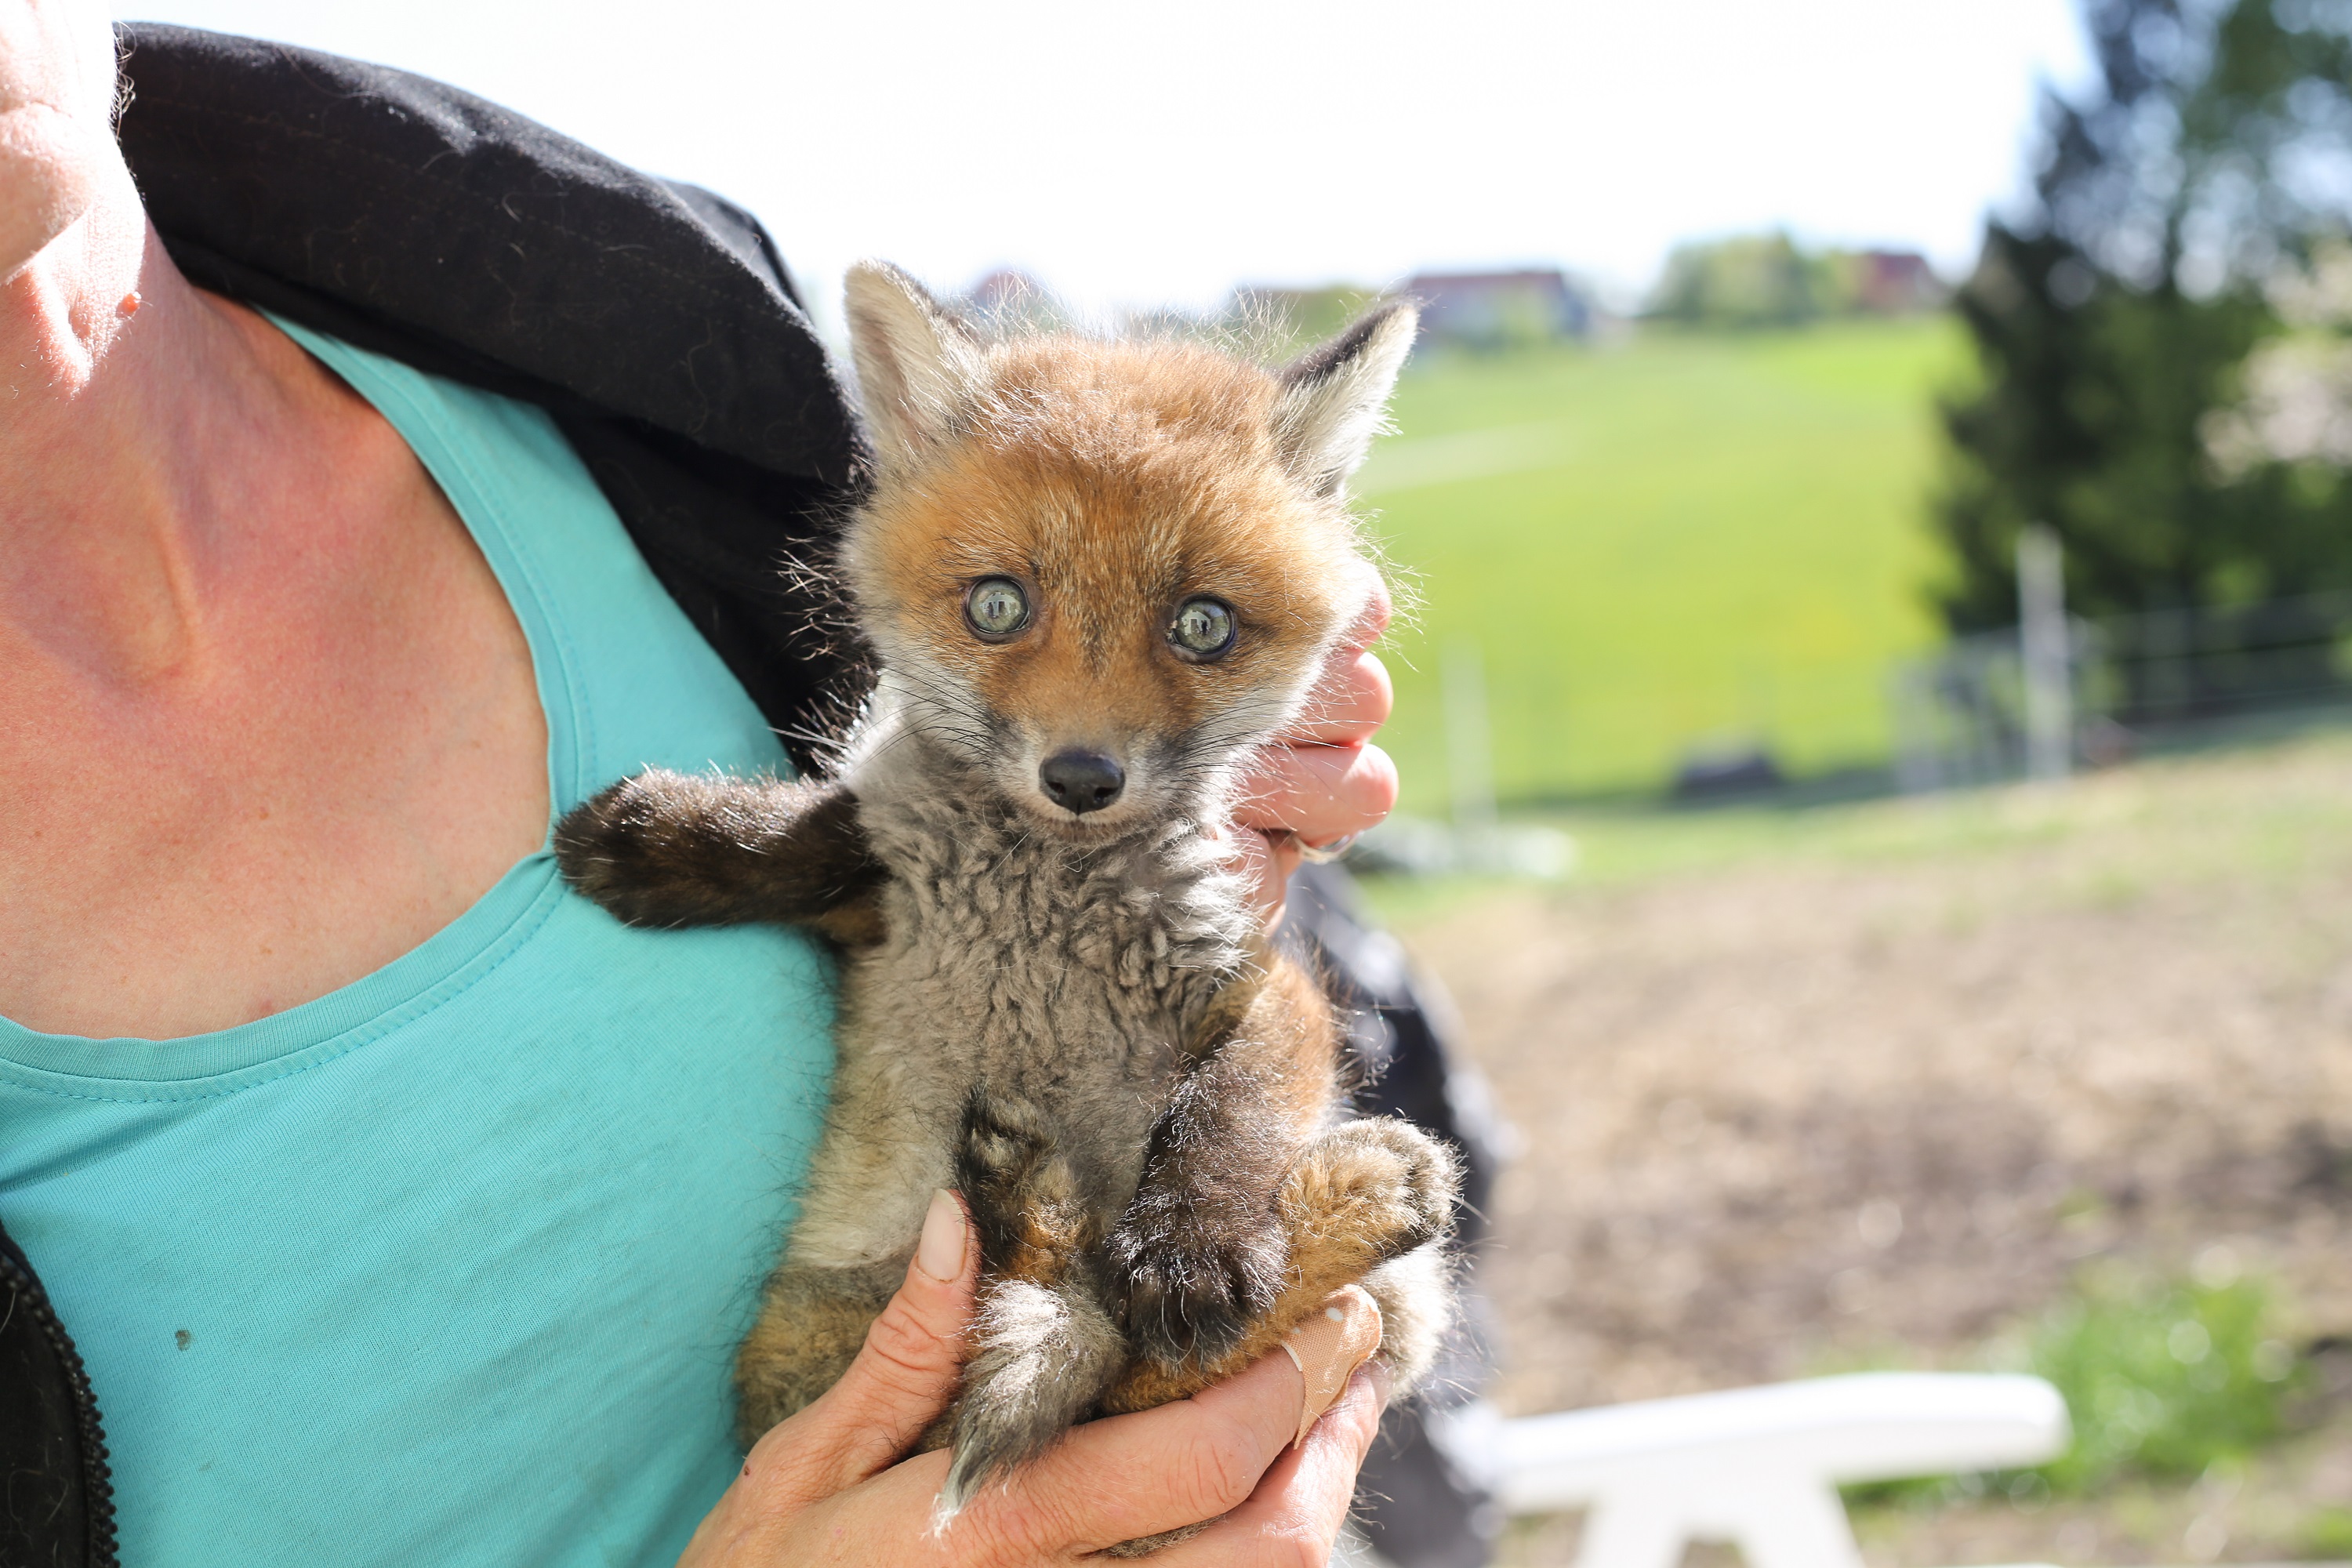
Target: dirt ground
(1870, 1091)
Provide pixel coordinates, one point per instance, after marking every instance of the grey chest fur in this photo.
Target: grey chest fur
(1068, 976)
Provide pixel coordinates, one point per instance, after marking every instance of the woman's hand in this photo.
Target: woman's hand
(1324, 781)
(822, 1488)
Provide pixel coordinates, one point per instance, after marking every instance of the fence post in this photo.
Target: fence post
(2042, 638)
(1918, 759)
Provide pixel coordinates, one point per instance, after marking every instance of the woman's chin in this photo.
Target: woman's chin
(51, 170)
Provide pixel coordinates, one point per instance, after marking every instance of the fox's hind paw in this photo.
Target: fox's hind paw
(1044, 1348)
(1044, 1356)
(1369, 1191)
(1188, 1290)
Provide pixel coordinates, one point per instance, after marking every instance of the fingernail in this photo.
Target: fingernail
(939, 1253)
(1329, 1346)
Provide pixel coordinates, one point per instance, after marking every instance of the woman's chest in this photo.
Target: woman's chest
(305, 787)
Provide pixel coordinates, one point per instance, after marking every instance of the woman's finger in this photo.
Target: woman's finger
(1348, 704)
(1264, 862)
(1372, 623)
(1302, 1502)
(1133, 1475)
(902, 1377)
(1320, 792)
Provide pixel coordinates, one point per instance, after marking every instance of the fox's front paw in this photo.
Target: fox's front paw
(1189, 1289)
(614, 847)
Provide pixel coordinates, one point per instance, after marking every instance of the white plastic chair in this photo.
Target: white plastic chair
(1759, 1467)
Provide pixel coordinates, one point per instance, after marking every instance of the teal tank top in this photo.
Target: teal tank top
(449, 1266)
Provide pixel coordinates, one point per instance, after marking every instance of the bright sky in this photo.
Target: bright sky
(1136, 155)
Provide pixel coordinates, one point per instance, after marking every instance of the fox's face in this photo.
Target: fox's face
(1100, 573)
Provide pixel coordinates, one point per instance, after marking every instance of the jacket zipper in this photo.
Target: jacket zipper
(97, 1480)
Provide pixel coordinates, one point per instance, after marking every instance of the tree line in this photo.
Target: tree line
(1754, 280)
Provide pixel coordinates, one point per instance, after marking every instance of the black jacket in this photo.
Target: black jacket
(654, 319)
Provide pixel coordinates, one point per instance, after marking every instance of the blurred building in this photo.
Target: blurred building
(1009, 298)
(1890, 282)
(1770, 280)
(1500, 309)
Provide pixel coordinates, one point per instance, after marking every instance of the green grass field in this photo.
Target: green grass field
(1665, 543)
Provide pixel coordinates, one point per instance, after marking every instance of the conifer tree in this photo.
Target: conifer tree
(2113, 319)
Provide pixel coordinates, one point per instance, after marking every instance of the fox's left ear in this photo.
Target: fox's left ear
(1335, 398)
(917, 365)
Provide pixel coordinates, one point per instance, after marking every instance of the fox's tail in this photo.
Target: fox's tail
(1045, 1348)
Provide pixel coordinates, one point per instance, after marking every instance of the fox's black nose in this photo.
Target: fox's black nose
(1082, 781)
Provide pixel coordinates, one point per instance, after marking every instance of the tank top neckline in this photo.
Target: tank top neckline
(222, 1061)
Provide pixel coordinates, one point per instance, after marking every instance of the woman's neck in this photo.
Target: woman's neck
(132, 407)
(266, 719)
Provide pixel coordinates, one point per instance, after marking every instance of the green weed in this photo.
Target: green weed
(2164, 1382)
(2327, 1535)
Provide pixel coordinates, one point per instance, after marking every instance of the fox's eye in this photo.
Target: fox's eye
(1203, 628)
(996, 608)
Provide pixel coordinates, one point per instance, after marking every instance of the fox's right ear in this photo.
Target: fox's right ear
(917, 366)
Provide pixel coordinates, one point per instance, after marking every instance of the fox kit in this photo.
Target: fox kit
(1097, 577)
